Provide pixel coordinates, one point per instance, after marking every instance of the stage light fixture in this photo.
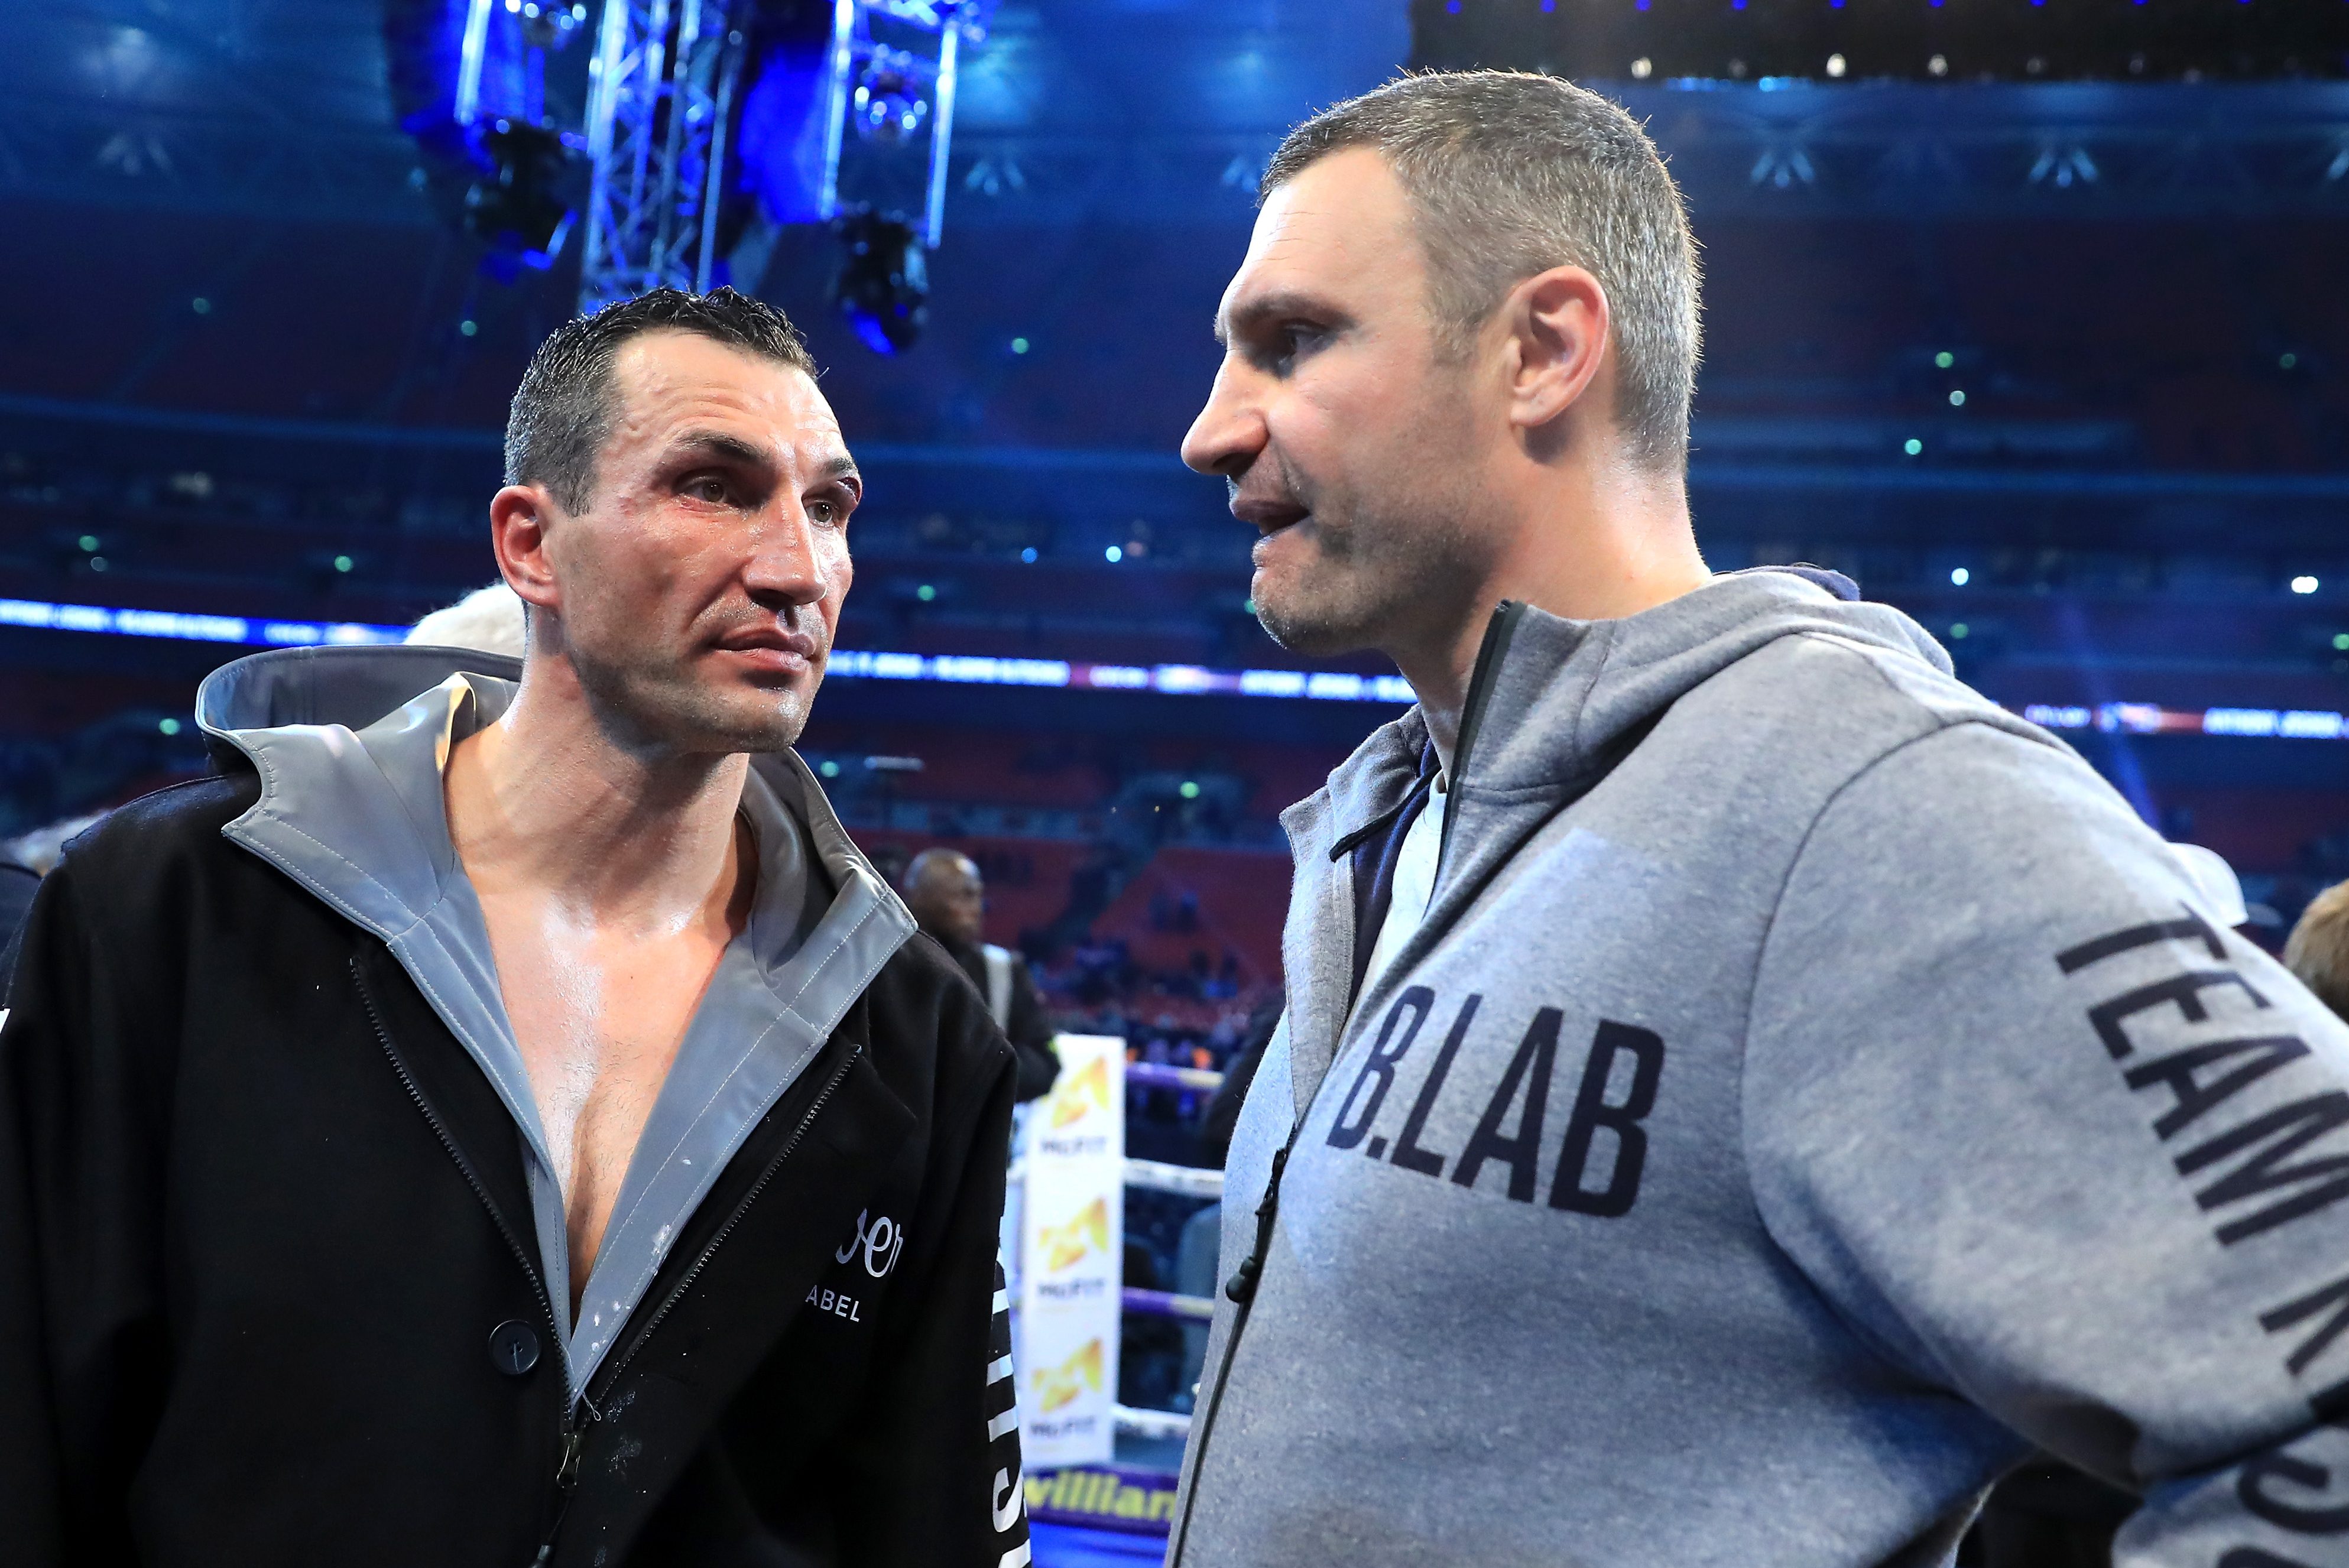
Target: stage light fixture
(1960, 577)
(889, 103)
(884, 283)
(520, 208)
(2304, 585)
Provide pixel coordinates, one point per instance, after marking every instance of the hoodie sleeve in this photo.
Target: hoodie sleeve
(2052, 1139)
(82, 1357)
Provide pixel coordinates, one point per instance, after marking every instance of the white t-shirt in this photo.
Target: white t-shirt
(1414, 885)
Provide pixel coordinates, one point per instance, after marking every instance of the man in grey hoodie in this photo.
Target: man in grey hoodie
(1741, 1090)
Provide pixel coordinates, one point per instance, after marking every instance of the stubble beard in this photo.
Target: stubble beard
(1374, 576)
(650, 699)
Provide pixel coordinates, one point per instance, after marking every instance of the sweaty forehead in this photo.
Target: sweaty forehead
(667, 381)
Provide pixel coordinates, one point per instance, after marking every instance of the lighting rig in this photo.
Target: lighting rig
(890, 74)
(859, 132)
(664, 78)
(470, 80)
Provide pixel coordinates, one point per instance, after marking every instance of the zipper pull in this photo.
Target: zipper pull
(1241, 1288)
(566, 1469)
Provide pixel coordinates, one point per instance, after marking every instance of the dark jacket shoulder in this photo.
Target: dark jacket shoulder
(177, 819)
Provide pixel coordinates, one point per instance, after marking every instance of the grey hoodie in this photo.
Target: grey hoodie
(1811, 1087)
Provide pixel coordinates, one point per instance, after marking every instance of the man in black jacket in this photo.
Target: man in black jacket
(949, 898)
(501, 1119)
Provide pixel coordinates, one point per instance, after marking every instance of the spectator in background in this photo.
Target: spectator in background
(2318, 949)
(948, 895)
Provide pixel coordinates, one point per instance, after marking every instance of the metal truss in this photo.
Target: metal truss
(927, 66)
(662, 89)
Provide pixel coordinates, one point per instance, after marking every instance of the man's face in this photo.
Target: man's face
(951, 900)
(700, 585)
(1347, 441)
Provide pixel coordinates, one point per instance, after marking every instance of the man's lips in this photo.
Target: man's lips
(769, 647)
(1268, 516)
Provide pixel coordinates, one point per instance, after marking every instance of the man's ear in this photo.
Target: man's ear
(1557, 327)
(518, 521)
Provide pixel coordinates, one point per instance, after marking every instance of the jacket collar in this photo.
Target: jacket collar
(352, 809)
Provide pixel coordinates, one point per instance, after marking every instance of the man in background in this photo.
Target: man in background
(949, 898)
(2318, 949)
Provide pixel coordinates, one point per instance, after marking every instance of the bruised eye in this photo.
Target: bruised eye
(711, 488)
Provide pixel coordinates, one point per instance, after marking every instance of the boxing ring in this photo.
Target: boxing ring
(1100, 1474)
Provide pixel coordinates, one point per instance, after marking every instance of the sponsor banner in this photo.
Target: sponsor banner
(1104, 1497)
(1072, 1235)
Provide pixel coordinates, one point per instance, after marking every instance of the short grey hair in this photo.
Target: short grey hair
(1511, 173)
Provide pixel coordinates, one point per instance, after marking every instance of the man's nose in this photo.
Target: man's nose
(1229, 432)
(786, 564)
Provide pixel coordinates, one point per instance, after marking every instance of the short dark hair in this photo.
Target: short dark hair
(2318, 950)
(1511, 173)
(563, 410)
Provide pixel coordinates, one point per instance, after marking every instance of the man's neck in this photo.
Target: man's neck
(547, 800)
(1596, 548)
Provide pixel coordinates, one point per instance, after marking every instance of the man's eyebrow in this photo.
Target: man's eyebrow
(1272, 306)
(719, 444)
(843, 467)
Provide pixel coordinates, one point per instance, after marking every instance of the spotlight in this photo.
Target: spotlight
(1960, 576)
(520, 209)
(2304, 585)
(889, 102)
(884, 283)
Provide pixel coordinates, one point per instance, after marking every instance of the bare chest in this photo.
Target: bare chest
(598, 1017)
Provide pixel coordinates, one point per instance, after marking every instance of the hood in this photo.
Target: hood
(1555, 703)
(1553, 706)
(352, 686)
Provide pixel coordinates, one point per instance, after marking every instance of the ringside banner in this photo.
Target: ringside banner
(1073, 1236)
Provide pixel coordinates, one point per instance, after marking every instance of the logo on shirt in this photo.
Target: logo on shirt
(880, 1242)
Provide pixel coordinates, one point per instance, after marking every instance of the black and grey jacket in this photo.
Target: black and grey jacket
(281, 1260)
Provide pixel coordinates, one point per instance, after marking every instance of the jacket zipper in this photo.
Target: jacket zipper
(1481, 678)
(1241, 1288)
(610, 1376)
(574, 1436)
